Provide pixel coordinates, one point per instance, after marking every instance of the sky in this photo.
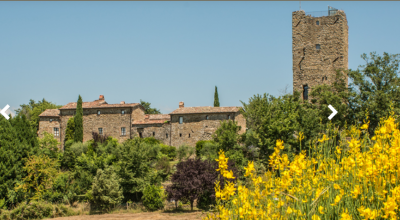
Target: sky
(166, 52)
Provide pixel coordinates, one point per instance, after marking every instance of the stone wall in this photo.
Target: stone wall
(160, 132)
(45, 125)
(196, 127)
(312, 66)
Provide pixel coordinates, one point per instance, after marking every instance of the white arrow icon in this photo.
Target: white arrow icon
(3, 112)
(334, 112)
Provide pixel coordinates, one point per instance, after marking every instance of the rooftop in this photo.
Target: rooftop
(100, 103)
(50, 112)
(204, 109)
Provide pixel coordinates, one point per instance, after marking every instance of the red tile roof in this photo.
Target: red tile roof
(148, 122)
(50, 112)
(204, 109)
(159, 116)
(97, 104)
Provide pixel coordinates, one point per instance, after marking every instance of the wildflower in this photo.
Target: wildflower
(345, 215)
(324, 138)
(315, 217)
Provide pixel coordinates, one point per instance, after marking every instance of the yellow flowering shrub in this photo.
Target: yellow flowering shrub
(339, 178)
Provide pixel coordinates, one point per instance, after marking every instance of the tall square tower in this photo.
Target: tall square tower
(319, 47)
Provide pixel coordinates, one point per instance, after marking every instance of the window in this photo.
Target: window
(189, 135)
(74, 112)
(56, 132)
(180, 135)
(229, 117)
(51, 119)
(98, 112)
(318, 46)
(207, 117)
(123, 112)
(166, 135)
(154, 133)
(100, 131)
(123, 131)
(317, 22)
(305, 92)
(180, 120)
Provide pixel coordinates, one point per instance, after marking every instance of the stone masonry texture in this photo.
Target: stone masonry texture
(312, 66)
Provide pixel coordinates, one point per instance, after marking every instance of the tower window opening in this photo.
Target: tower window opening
(305, 92)
(318, 46)
(317, 22)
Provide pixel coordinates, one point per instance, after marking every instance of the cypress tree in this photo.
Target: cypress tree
(78, 137)
(216, 99)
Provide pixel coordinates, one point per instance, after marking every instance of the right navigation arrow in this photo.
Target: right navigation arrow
(334, 112)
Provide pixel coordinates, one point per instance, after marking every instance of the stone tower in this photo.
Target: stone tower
(320, 47)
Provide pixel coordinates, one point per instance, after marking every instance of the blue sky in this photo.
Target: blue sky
(166, 52)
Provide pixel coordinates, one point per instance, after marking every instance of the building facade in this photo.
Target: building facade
(319, 47)
(185, 125)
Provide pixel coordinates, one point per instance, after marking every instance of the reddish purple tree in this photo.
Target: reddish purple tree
(194, 177)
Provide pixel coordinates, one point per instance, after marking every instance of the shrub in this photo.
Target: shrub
(78, 148)
(106, 189)
(200, 144)
(35, 210)
(205, 200)
(153, 197)
(209, 151)
(184, 152)
(170, 151)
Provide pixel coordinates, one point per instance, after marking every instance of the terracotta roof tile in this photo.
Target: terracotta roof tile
(148, 122)
(50, 112)
(204, 109)
(159, 117)
(97, 104)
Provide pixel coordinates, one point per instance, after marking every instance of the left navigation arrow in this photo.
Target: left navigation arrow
(3, 112)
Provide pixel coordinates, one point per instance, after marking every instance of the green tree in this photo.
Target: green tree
(377, 87)
(70, 130)
(42, 171)
(227, 135)
(216, 99)
(148, 109)
(79, 121)
(49, 146)
(13, 155)
(106, 191)
(153, 197)
(26, 134)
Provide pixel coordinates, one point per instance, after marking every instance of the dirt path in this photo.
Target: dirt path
(139, 216)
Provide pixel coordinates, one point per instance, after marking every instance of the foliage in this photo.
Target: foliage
(191, 179)
(163, 167)
(26, 134)
(70, 130)
(209, 150)
(78, 148)
(42, 171)
(134, 167)
(36, 210)
(13, 155)
(49, 145)
(227, 135)
(98, 138)
(184, 152)
(216, 99)
(106, 189)
(377, 87)
(33, 110)
(153, 197)
(170, 151)
(355, 179)
(200, 144)
(148, 109)
(78, 119)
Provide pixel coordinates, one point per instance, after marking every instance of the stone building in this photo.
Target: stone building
(320, 47)
(185, 125)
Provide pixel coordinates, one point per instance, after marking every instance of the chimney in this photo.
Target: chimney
(146, 116)
(101, 97)
(181, 105)
(123, 102)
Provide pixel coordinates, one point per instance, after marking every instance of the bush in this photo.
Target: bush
(106, 191)
(153, 197)
(36, 210)
(170, 151)
(205, 200)
(78, 148)
(209, 151)
(184, 151)
(200, 145)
